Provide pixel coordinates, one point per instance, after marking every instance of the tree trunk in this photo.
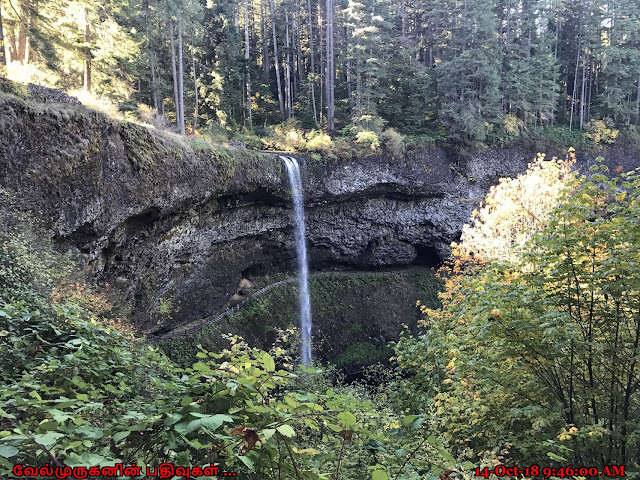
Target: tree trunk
(589, 89)
(26, 44)
(638, 102)
(297, 77)
(12, 44)
(349, 79)
(287, 66)
(174, 73)
(583, 91)
(154, 89)
(555, 51)
(180, 78)
(276, 60)
(195, 89)
(313, 67)
(87, 51)
(573, 94)
(265, 46)
(322, 64)
(3, 58)
(150, 55)
(358, 87)
(22, 41)
(330, 74)
(246, 57)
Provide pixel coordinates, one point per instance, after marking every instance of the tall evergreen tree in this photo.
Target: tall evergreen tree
(469, 73)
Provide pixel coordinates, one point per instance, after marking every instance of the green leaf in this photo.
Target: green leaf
(446, 455)
(555, 457)
(247, 461)
(266, 434)
(58, 415)
(120, 435)
(379, 475)
(8, 451)
(89, 432)
(201, 367)
(212, 422)
(4, 414)
(36, 395)
(286, 430)
(172, 418)
(91, 459)
(47, 425)
(269, 363)
(347, 419)
(186, 401)
(408, 419)
(416, 423)
(47, 439)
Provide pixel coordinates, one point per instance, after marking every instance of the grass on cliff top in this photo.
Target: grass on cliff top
(144, 145)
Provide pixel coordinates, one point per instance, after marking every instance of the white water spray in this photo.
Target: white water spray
(293, 170)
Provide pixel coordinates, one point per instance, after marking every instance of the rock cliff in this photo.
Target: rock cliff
(178, 222)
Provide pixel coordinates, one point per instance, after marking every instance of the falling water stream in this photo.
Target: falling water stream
(293, 169)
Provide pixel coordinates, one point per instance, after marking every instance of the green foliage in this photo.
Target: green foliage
(359, 354)
(368, 138)
(631, 134)
(601, 131)
(76, 392)
(28, 266)
(470, 72)
(535, 357)
(165, 307)
(13, 88)
(558, 137)
(57, 45)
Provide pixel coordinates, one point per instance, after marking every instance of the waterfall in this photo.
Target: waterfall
(301, 249)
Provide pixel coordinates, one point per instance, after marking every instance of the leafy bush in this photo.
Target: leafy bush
(531, 356)
(318, 141)
(631, 134)
(601, 131)
(369, 139)
(393, 142)
(558, 137)
(77, 393)
(214, 133)
(514, 210)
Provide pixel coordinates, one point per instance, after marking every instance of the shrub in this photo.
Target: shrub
(512, 125)
(601, 131)
(215, 133)
(631, 134)
(393, 142)
(369, 139)
(318, 141)
(553, 321)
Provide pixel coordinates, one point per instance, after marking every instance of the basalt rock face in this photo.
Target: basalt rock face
(175, 225)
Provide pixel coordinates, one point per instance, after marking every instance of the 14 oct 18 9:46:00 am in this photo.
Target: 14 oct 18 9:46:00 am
(547, 472)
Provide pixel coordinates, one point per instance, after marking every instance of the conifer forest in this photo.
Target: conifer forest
(468, 72)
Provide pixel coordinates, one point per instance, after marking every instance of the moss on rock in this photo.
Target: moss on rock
(355, 315)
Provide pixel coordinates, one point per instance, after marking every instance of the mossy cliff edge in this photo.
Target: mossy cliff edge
(175, 224)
